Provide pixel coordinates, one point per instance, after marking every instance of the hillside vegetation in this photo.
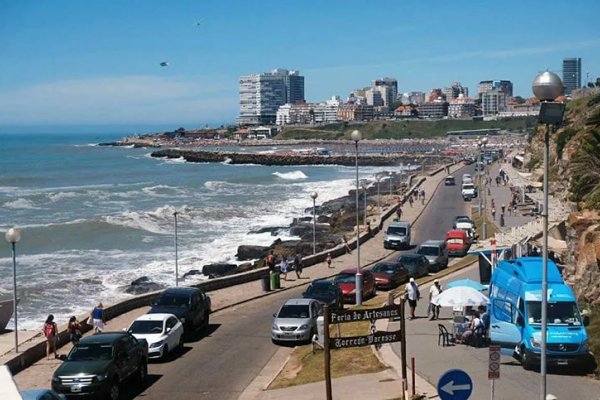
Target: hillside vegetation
(400, 129)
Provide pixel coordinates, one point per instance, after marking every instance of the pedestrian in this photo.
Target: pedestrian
(422, 194)
(447, 169)
(410, 200)
(50, 332)
(74, 329)
(435, 289)
(503, 208)
(413, 295)
(298, 265)
(369, 232)
(515, 209)
(509, 209)
(501, 219)
(284, 268)
(328, 260)
(399, 212)
(494, 213)
(270, 261)
(98, 319)
(346, 246)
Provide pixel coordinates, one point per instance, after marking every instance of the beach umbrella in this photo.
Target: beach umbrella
(460, 296)
(468, 283)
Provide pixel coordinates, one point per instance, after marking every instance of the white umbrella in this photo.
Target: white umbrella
(460, 296)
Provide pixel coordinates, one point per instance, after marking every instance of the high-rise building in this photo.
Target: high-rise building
(571, 73)
(262, 94)
(493, 102)
(456, 90)
(388, 87)
(374, 97)
(504, 86)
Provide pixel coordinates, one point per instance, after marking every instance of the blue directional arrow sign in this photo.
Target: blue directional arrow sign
(455, 385)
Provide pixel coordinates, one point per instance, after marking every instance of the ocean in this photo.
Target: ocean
(95, 218)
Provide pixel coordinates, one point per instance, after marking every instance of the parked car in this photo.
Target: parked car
(397, 235)
(97, 365)
(457, 242)
(346, 280)
(416, 264)
(449, 181)
(163, 332)
(41, 394)
(389, 274)
(436, 253)
(463, 219)
(296, 321)
(326, 292)
(191, 305)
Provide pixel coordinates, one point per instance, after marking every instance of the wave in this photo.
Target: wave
(293, 175)
(20, 204)
(178, 160)
(226, 161)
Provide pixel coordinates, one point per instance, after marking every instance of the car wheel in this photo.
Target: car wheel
(525, 362)
(206, 321)
(113, 391)
(165, 353)
(143, 372)
(180, 344)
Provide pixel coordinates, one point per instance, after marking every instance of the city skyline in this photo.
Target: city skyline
(99, 63)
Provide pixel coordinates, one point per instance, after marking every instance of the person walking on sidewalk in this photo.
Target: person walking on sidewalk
(284, 268)
(494, 213)
(98, 319)
(413, 295)
(435, 289)
(270, 261)
(503, 208)
(346, 246)
(399, 212)
(298, 265)
(328, 260)
(51, 333)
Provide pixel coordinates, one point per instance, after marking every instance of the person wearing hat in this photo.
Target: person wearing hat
(412, 295)
(435, 289)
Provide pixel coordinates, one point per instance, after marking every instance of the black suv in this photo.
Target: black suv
(326, 292)
(191, 305)
(98, 364)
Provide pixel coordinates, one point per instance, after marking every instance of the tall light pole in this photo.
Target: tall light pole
(478, 166)
(546, 86)
(356, 136)
(484, 142)
(364, 188)
(13, 236)
(314, 196)
(390, 175)
(378, 179)
(176, 261)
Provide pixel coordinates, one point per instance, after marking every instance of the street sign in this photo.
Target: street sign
(455, 384)
(494, 362)
(379, 337)
(338, 317)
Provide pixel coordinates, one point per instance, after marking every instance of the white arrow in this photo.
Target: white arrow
(450, 387)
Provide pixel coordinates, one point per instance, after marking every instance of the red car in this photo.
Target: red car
(346, 280)
(389, 274)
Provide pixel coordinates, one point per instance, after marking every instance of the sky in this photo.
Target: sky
(81, 65)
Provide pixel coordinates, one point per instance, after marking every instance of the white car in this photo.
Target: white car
(163, 332)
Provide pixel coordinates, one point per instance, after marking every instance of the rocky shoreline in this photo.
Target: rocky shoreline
(287, 158)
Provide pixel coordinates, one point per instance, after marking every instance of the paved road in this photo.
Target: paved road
(222, 365)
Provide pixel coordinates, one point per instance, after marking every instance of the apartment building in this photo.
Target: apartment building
(461, 107)
(434, 109)
(355, 112)
(388, 87)
(571, 74)
(493, 102)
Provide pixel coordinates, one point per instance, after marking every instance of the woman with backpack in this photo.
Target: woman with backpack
(50, 332)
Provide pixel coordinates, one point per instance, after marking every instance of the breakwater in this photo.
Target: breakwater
(284, 159)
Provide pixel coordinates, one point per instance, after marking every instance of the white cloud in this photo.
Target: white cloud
(129, 99)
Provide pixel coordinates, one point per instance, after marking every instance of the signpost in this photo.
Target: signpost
(494, 366)
(374, 338)
(455, 384)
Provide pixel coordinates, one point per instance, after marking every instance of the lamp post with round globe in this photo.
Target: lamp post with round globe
(176, 255)
(478, 169)
(364, 187)
(546, 86)
(12, 236)
(314, 196)
(356, 136)
(484, 142)
(378, 179)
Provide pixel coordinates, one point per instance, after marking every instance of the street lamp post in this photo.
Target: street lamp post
(13, 236)
(484, 142)
(378, 179)
(364, 188)
(176, 256)
(546, 86)
(314, 196)
(390, 175)
(356, 136)
(478, 165)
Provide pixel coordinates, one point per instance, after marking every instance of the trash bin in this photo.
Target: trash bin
(266, 284)
(275, 282)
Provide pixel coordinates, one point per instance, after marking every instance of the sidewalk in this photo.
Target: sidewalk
(39, 374)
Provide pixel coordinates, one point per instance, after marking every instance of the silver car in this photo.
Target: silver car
(296, 321)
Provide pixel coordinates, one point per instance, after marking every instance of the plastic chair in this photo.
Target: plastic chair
(445, 337)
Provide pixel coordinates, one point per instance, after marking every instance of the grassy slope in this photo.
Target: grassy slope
(397, 129)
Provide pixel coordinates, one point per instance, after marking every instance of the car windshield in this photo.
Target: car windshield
(345, 278)
(429, 250)
(294, 311)
(320, 290)
(396, 230)
(408, 260)
(92, 351)
(171, 300)
(145, 327)
(384, 268)
(468, 186)
(559, 313)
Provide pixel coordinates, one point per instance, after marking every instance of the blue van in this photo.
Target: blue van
(516, 310)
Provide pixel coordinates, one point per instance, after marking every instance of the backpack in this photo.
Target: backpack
(49, 330)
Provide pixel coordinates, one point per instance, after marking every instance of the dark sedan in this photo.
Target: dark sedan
(416, 264)
(326, 292)
(389, 274)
